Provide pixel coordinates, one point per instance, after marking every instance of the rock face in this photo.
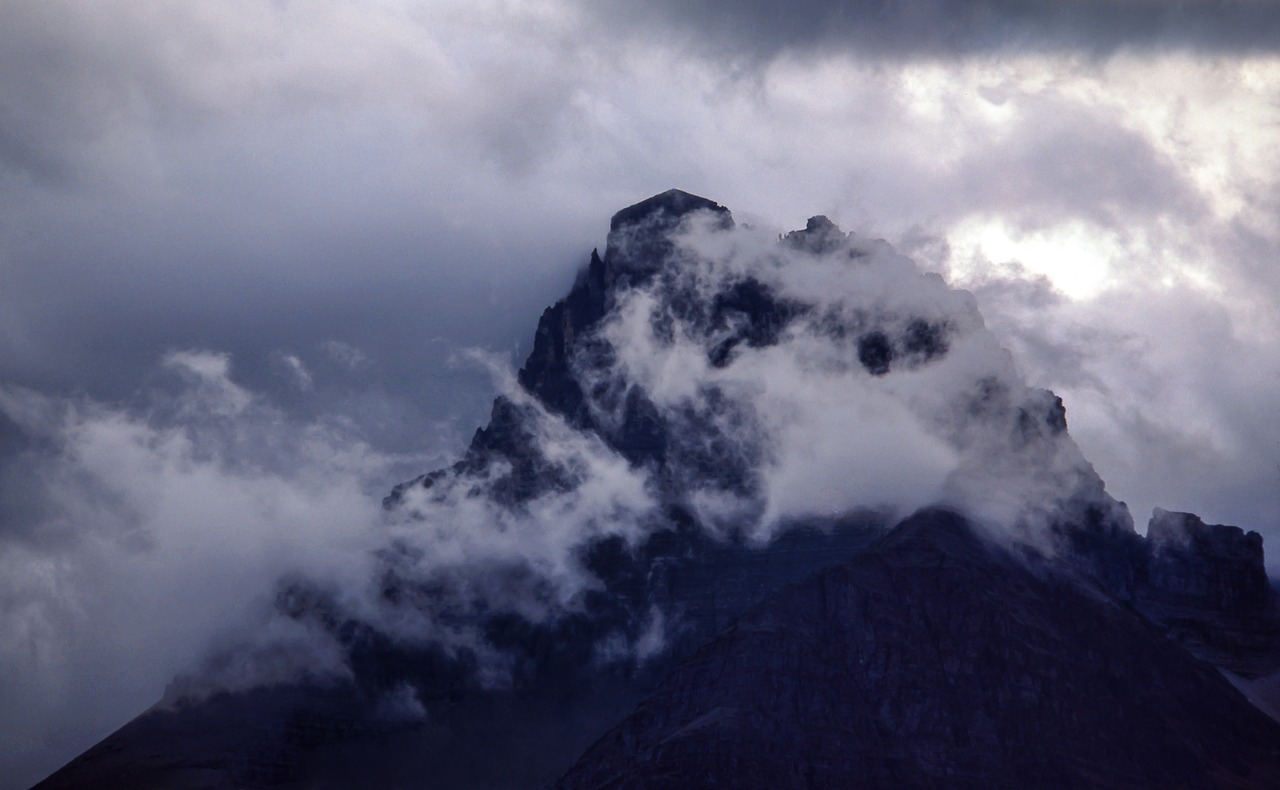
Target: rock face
(1208, 585)
(936, 659)
(706, 418)
(1208, 566)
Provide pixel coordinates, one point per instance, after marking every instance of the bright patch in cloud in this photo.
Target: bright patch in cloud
(1078, 259)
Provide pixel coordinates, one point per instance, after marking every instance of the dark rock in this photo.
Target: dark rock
(508, 436)
(563, 692)
(819, 237)
(664, 211)
(1056, 418)
(640, 241)
(751, 315)
(875, 352)
(548, 373)
(642, 435)
(938, 660)
(399, 490)
(1207, 583)
(231, 740)
(925, 339)
(563, 351)
(1045, 418)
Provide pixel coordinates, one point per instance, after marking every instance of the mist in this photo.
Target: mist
(153, 534)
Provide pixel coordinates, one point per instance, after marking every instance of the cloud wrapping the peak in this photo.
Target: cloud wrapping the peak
(458, 535)
(827, 364)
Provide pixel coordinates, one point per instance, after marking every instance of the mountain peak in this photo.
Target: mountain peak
(820, 236)
(938, 532)
(671, 205)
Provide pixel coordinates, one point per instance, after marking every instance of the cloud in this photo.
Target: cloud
(158, 535)
(900, 29)
(297, 371)
(345, 353)
(1178, 410)
(303, 173)
(158, 538)
(477, 552)
(767, 361)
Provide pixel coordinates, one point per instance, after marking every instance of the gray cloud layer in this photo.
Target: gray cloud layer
(946, 28)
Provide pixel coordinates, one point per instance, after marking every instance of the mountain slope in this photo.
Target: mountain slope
(936, 659)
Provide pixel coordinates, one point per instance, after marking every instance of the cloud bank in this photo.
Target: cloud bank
(150, 534)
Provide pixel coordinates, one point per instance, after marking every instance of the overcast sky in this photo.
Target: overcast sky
(309, 209)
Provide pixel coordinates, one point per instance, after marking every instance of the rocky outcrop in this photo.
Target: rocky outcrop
(641, 240)
(639, 244)
(937, 659)
(819, 237)
(1207, 584)
(1209, 566)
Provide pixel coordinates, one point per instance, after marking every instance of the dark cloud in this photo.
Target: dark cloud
(295, 177)
(99, 301)
(933, 28)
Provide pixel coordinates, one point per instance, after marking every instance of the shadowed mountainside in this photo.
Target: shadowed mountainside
(936, 659)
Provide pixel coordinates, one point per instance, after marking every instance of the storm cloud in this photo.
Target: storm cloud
(937, 28)
(321, 204)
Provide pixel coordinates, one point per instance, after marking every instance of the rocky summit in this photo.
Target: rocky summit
(758, 509)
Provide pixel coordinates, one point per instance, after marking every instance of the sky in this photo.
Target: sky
(248, 251)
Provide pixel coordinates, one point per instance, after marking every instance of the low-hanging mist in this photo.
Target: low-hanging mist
(155, 534)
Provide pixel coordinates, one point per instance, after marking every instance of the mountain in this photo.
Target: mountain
(938, 659)
(709, 418)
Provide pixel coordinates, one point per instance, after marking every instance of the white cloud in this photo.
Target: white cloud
(164, 534)
(806, 416)
(297, 370)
